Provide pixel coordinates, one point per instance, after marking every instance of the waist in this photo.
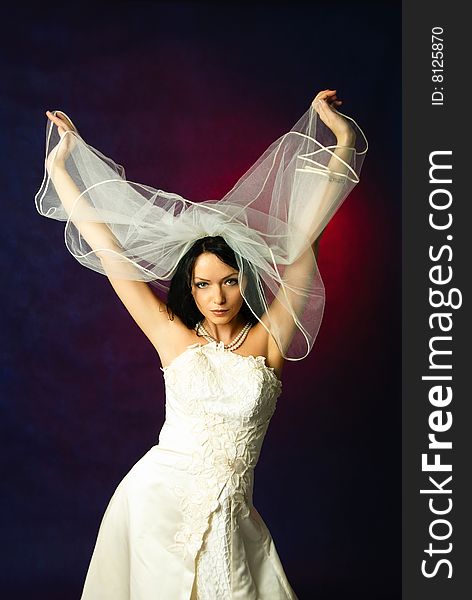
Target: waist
(231, 446)
(182, 437)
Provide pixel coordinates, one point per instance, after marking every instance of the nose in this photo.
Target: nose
(219, 297)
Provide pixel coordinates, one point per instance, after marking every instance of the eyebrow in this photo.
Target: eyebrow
(226, 277)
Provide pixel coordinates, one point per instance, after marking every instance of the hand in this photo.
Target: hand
(61, 151)
(325, 103)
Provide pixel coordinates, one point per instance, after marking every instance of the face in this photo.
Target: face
(215, 286)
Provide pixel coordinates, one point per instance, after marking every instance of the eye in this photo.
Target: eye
(235, 280)
(199, 283)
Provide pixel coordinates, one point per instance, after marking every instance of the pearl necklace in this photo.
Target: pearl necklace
(238, 340)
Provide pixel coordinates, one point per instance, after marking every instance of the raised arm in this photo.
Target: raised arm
(311, 217)
(97, 235)
(338, 169)
(343, 151)
(148, 311)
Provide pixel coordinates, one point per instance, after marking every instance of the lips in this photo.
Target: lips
(219, 312)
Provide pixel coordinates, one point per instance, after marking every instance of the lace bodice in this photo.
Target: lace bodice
(218, 408)
(207, 376)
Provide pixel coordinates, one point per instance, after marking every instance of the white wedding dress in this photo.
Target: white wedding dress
(181, 525)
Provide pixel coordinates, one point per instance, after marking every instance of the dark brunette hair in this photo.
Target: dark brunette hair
(179, 298)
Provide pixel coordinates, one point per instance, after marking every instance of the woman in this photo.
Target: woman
(243, 293)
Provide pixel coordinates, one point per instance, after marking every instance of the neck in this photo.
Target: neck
(226, 332)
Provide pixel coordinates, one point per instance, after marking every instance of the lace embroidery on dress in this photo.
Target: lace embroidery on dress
(228, 445)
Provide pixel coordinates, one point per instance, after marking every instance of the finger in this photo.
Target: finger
(59, 115)
(60, 122)
(51, 116)
(325, 105)
(55, 118)
(334, 100)
(326, 94)
(322, 93)
(62, 117)
(55, 113)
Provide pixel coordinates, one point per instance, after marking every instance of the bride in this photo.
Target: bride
(242, 295)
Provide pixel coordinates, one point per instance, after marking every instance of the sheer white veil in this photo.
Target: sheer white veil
(270, 218)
